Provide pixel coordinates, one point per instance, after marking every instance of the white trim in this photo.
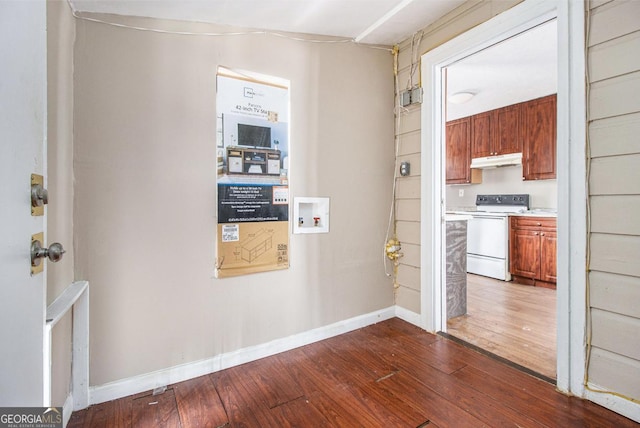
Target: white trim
(80, 350)
(408, 316)
(571, 178)
(75, 296)
(507, 24)
(572, 197)
(615, 403)
(67, 410)
(171, 375)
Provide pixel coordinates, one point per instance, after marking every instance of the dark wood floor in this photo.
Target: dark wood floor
(516, 322)
(391, 374)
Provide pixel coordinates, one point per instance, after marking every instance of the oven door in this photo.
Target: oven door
(487, 236)
(488, 246)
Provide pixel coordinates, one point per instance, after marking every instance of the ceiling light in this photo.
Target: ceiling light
(461, 97)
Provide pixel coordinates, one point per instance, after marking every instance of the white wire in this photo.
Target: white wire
(211, 34)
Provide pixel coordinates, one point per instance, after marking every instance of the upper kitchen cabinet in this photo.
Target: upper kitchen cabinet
(497, 132)
(539, 138)
(458, 153)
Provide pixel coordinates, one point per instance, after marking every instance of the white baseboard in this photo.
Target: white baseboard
(171, 375)
(408, 316)
(67, 409)
(614, 403)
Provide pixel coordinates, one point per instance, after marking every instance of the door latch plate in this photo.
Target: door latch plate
(39, 210)
(40, 266)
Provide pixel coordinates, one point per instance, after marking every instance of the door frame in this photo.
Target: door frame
(571, 168)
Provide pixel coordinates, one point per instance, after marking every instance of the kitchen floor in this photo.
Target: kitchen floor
(516, 322)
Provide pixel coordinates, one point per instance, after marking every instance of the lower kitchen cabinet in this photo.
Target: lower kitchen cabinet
(533, 250)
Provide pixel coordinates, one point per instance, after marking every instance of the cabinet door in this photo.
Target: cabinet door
(548, 246)
(539, 129)
(481, 135)
(525, 253)
(458, 151)
(508, 128)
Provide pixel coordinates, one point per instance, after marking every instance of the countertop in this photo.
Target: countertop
(457, 217)
(536, 212)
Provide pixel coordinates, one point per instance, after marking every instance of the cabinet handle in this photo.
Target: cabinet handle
(539, 224)
(542, 234)
(535, 233)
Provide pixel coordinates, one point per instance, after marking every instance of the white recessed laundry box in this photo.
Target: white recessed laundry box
(310, 215)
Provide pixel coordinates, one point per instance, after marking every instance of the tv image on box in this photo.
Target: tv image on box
(254, 136)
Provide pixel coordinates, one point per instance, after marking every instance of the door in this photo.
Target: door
(458, 151)
(22, 140)
(525, 253)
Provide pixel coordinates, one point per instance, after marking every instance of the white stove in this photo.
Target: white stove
(488, 234)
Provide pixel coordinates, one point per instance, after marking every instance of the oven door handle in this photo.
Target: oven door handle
(488, 217)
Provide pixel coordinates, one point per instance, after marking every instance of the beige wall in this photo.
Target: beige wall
(145, 203)
(614, 189)
(451, 25)
(543, 193)
(60, 38)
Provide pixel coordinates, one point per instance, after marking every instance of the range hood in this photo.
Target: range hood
(497, 161)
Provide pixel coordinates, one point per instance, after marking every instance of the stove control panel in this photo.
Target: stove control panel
(521, 200)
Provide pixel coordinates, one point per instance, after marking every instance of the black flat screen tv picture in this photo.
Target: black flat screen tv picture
(254, 136)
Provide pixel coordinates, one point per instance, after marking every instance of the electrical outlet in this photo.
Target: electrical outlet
(461, 192)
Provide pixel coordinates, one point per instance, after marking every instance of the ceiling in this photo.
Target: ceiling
(384, 22)
(518, 69)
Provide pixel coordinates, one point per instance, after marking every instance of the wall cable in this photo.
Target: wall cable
(589, 317)
(396, 141)
(222, 34)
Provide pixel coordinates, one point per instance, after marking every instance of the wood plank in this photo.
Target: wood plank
(616, 214)
(410, 121)
(408, 231)
(615, 254)
(408, 187)
(388, 374)
(611, 59)
(410, 144)
(274, 383)
(616, 333)
(614, 19)
(331, 404)
(610, 97)
(615, 175)
(408, 209)
(199, 404)
(550, 410)
(408, 298)
(615, 293)
(237, 395)
(613, 372)
(410, 254)
(615, 136)
(513, 321)
(115, 413)
(156, 411)
(409, 276)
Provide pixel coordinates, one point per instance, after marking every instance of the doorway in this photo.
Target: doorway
(487, 92)
(570, 166)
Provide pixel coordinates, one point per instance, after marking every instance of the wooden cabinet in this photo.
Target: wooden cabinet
(458, 153)
(539, 138)
(497, 132)
(532, 250)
